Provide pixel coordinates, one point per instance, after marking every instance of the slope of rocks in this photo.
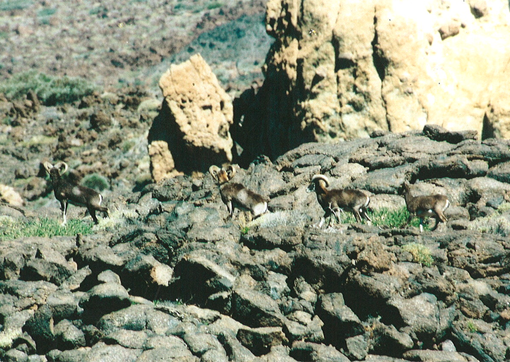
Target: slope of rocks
(181, 281)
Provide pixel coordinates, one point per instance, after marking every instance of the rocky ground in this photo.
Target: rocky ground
(170, 277)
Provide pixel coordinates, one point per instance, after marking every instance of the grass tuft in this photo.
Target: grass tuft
(421, 254)
(11, 229)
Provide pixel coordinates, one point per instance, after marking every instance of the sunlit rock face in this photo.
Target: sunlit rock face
(341, 69)
(192, 130)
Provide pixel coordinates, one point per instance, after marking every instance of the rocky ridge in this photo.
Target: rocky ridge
(179, 280)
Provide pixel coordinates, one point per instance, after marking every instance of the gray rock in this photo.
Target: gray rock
(11, 264)
(145, 276)
(255, 309)
(421, 313)
(436, 356)
(260, 340)
(14, 355)
(303, 326)
(235, 350)
(137, 317)
(306, 351)
(176, 188)
(214, 355)
(63, 304)
(74, 355)
(340, 322)
(284, 237)
(500, 172)
(278, 354)
(385, 180)
(103, 299)
(106, 353)
(100, 258)
(38, 269)
(438, 133)
(126, 338)
(165, 354)
(166, 341)
(108, 276)
(41, 328)
(387, 340)
(200, 343)
(356, 347)
(198, 275)
(68, 336)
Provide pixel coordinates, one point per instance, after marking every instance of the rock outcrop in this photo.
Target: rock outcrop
(192, 130)
(341, 69)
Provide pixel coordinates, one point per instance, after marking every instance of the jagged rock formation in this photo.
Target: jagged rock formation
(340, 69)
(192, 130)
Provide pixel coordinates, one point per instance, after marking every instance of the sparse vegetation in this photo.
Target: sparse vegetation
(50, 90)
(13, 229)
(385, 218)
(421, 254)
(39, 140)
(44, 15)
(117, 219)
(471, 327)
(95, 181)
(496, 223)
(214, 5)
(12, 5)
(280, 218)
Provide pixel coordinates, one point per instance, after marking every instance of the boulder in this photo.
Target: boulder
(192, 130)
(10, 196)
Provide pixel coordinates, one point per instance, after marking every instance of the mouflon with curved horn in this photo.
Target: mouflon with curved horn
(334, 201)
(236, 195)
(79, 195)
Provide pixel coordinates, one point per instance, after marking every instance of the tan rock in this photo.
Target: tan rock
(340, 69)
(192, 130)
(10, 196)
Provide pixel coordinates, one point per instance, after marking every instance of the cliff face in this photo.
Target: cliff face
(340, 69)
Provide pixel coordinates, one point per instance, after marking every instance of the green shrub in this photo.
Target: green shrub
(11, 5)
(95, 181)
(214, 5)
(390, 218)
(127, 145)
(50, 90)
(12, 229)
(384, 217)
(421, 254)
